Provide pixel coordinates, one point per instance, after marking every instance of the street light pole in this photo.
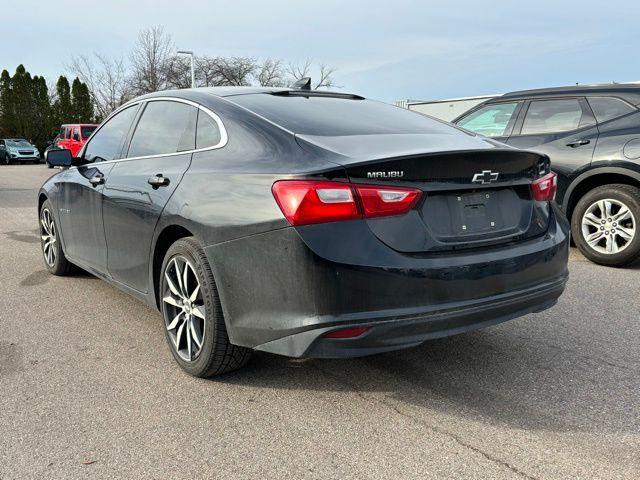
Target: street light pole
(193, 74)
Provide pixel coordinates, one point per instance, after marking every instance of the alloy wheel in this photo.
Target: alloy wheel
(48, 237)
(183, 308)
(608, 226)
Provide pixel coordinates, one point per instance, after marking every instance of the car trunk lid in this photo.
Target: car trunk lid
(475, 192)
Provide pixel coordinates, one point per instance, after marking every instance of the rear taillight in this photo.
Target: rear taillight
(305, 202)
(544, 188)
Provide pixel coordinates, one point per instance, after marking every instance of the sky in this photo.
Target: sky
(387, 50)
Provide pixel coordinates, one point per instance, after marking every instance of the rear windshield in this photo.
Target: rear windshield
(87, 131)
(327, 116)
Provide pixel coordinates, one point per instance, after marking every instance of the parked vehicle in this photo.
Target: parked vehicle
(592, 135)
(304, 223)
(18, 150)
(73, 136)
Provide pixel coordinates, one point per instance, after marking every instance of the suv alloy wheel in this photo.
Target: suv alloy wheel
(604, 225)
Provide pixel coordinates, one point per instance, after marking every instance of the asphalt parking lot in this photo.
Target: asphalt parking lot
(89, 389)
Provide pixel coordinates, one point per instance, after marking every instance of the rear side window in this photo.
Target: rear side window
(331, 116)
(608, 108)
(207, 132)
(490, 121)
(550, 116)
(67, 133)
(87, 131)
(76, 134)
(165, 127)
(106, 144)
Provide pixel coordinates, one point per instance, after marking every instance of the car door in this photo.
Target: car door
(494, 120)
(80, 200)
(140, 185)
(563, 128)
(65, 138)
(74, 142)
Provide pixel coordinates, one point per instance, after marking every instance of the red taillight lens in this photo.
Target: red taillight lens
(352, 332)
(544, 188)
(380, 202)
(305, 202)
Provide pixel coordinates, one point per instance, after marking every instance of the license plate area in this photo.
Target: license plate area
(476, 215)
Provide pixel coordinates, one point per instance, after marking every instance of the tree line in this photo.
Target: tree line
(28, 109)
(154, 64)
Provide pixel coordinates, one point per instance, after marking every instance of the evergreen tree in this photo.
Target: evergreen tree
(63, 106)
(44, 126)
(81, 102)
(21, 84)
(7, 110)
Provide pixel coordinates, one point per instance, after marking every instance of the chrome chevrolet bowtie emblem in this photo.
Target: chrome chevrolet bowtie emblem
(486, 176)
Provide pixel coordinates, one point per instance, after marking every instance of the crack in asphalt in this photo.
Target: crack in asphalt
(456, 438)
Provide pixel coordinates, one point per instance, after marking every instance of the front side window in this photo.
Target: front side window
(67, 133)
(490, 121)
(608, 108)
(207, 132)
(165, 127)
(106, 144)
(551, 116)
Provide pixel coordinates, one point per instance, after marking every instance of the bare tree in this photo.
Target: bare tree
(325, 78)
(107, 81)
(270, 73)
(149, 60)
(300, 70)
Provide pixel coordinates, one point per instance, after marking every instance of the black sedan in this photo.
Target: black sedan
(304, 223)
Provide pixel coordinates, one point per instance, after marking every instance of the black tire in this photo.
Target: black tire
(624, 194)
(60, 265)
(7, 159)
(216, 355)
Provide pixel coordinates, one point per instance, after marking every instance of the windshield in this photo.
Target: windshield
(18, 143)
(87, 131)
(331, 116)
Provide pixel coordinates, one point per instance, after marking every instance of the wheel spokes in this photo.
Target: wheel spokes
(184, 320)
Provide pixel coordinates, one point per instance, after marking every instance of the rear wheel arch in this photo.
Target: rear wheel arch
(597, 178)
(167, 237)
(41, 199)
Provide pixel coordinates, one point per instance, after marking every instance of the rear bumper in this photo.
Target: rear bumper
(282, 291)
(399, 332)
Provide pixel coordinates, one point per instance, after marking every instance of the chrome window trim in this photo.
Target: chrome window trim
(224, 138)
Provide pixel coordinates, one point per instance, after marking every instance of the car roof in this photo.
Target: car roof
(234, 91)
(79, 125)
(627, 91)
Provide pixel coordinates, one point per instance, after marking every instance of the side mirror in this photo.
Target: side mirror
(49, 142)
(59, 158)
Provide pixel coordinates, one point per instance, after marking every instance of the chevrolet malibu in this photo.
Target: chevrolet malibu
(304, 223)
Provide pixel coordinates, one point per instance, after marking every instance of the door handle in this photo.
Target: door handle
(158, 181)
(97, 180)
(579, 142)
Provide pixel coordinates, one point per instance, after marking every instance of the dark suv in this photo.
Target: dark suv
(592, 135)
